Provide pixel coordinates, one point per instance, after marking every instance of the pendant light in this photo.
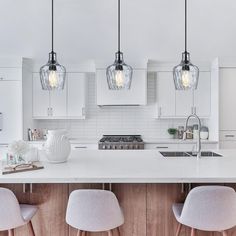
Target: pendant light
(119, 74)
(52, 75)
(186, 74)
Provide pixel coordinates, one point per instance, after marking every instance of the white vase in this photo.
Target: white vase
(57, 147)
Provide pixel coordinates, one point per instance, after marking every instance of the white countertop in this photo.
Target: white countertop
(142, 166)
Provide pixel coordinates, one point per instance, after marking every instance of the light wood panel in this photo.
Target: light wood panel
(160, 219)
(132, 198)
(52, 201)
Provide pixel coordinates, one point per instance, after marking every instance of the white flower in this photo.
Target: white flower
(18, 148)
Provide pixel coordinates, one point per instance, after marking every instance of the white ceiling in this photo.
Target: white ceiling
(87, 29)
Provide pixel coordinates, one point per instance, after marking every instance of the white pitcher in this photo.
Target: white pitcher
(57, 147)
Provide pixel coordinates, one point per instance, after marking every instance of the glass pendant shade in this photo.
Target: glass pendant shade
(186, 74)
(52, 75)
(119, 74)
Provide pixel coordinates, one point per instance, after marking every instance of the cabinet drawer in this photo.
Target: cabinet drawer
(10, 74)
(228, 135)
(81, 147)
(161, 146)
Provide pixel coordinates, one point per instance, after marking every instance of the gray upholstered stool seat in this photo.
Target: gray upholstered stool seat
(13, 214)
(94, 211)
(207, 208)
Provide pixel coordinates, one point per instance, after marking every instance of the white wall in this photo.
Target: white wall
(116, 120)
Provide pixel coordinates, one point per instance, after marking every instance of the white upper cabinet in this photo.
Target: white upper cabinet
(184, 103)
(165, 94)
(68, 103)
(76, 95)
(172, 103)
(11, 74)
(41, 102)
(228, 99)
(11, 109)
(137, 95)
(58, 102)
(202, 95)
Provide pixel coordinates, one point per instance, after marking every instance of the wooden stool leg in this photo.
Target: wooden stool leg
(118, 231)
(224, 233)
(193, 232)
(31, 229)
(178, 229)
(79, 233)
(110, 233)
(11, 232)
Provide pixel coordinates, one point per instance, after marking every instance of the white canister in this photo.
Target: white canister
(57, 147)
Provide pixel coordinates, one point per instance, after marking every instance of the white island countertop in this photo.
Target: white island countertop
(142, 166)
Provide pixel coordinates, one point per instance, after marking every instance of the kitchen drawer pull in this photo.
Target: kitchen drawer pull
(80, 147)
(161, 147)
(229, 135)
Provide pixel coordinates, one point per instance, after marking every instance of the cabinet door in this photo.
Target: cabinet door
(136, 95)
(76, 95)
(227, 99)
(165, 94)
(10, 74)
(40, 99)
(184, 103)
(202, 96)
(58, 102)
(11, 109)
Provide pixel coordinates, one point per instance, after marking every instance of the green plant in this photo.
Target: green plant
(172, 131)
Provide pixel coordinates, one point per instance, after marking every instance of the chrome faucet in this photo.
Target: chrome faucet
(194, 115)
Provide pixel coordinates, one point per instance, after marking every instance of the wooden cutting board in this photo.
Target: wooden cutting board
(6, 169)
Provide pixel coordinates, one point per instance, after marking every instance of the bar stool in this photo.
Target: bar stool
(94, 211)
(13, 214)
(207, 208)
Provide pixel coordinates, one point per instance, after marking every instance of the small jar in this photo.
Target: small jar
(189, 134)
(180, 132)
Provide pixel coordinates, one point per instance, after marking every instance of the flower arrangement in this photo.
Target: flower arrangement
(19, 148)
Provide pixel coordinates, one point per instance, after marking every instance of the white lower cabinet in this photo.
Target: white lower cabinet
(228, 139)
(179, 104)
(84, 146)
(68, 103)
(179, 146)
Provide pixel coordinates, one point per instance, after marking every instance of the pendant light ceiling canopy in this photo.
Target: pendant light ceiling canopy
(186, 74)
(119, 74)
(52, 75)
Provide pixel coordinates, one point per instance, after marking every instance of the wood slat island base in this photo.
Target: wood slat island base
(147, 209)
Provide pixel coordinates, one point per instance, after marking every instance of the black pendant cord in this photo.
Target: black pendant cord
(119, 52)
(186, 31)
(118, 25)
(52, 25)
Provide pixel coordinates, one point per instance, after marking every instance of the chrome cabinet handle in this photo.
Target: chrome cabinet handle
(229, 135)
(78, 147)
(162, 147)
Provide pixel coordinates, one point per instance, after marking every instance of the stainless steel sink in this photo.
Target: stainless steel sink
(189, 154)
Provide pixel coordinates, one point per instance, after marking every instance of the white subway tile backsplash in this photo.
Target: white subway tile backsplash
(116, 120)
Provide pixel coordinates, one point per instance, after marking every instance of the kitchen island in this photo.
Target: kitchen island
(145, 183)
